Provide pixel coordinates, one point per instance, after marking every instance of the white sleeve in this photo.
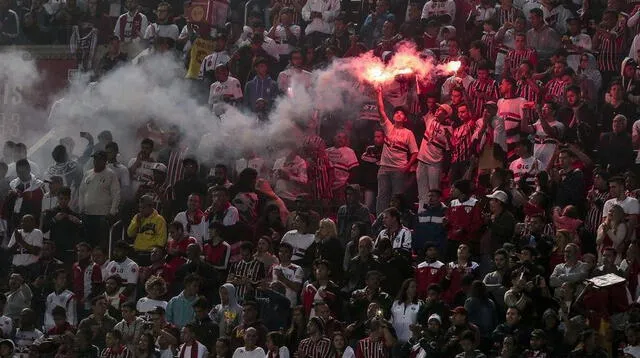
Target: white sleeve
(132, 274)
(334, 9)
(298, 275)
(145, 22)
(633, 20)
(306, 11)
(634, 208)
(605, 209)
(116, 30)
(148, 32)
(236, 90)
(406, 243)
(72, 317)
(38, 239)
(425, 10)
(212, 93)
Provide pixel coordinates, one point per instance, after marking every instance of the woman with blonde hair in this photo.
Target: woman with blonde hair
(326, 246)
(612, 233)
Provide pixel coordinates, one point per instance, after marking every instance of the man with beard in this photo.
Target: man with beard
(581, 119)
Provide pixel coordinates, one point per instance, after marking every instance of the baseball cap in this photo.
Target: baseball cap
(435, 317)
(99, 154)
(499, 195)
(459, 310)
(159, 167)
(447, 108)
(538, 333)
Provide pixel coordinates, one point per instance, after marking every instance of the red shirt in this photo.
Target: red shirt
(178, 260)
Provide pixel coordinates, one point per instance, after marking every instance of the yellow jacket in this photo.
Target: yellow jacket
(152, 231)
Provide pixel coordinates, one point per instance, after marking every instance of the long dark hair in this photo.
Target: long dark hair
(227, 343)
(151, 345)
(402, 293)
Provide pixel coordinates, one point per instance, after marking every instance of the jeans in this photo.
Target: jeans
(391, 181)
(428, 177)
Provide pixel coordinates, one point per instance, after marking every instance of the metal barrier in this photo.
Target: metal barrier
(246, 10)
(111, 230)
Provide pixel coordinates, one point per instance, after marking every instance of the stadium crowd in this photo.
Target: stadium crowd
(490, 213)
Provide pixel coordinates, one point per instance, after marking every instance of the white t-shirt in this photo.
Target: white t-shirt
(201, 231)
(166, 30)
(399, 143)
(22, 257)
(629, 205)
(530, 166)
(65, 300)
(127, 270)
(343, 159)
(300, 243)
(403, 316)
(244, 353)
(439, 8)
(291, 272)
(229, 87)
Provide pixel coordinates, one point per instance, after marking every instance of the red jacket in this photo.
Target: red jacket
(452, 286)
(428, 273)
(466, 216)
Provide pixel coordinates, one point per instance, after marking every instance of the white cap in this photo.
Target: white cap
(436, 317)
(500, 196)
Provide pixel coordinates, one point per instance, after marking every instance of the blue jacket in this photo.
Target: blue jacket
(265, 88)
(430, 228)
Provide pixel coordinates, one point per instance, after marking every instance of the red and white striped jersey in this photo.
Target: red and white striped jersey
(368, 348)
(308, 348)
(510, 109)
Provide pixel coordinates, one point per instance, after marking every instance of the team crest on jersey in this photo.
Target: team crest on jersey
(467, 209)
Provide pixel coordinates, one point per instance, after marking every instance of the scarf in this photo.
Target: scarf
(194, 350)
(197, 219)
(217, 216)
(136, 25)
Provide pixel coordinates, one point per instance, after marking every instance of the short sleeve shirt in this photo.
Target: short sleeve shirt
(399, 143)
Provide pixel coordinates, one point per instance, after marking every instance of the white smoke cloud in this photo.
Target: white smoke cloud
(126, 98)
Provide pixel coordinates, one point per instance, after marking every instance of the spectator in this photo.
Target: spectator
(290, 176)
(162, 28)
(246, 273)
(542, 37)
(317, 345)
(249, 349)
(130, 327)
(287, 274)
(191, 345)
(353, 211)
(395, 232)
(204, 328)
(63, 225)
(616, 148)
(250, 320)
(463, 218)
(94, 204)
(571, 271)
(115, 347)
(25, 196)
(60, 297)
(261, 86)
(125, 268)
(430, 227)
(225, 89)
(437, 140)
(147, 228)
(131, 26)
(25, 244)
(196, 265)
(99, 322)
(459, 324)
(228, 313)
(26, 334)
(399, 144)
(156, 289)
(571, 186)
(216, 250)
(180, 308)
